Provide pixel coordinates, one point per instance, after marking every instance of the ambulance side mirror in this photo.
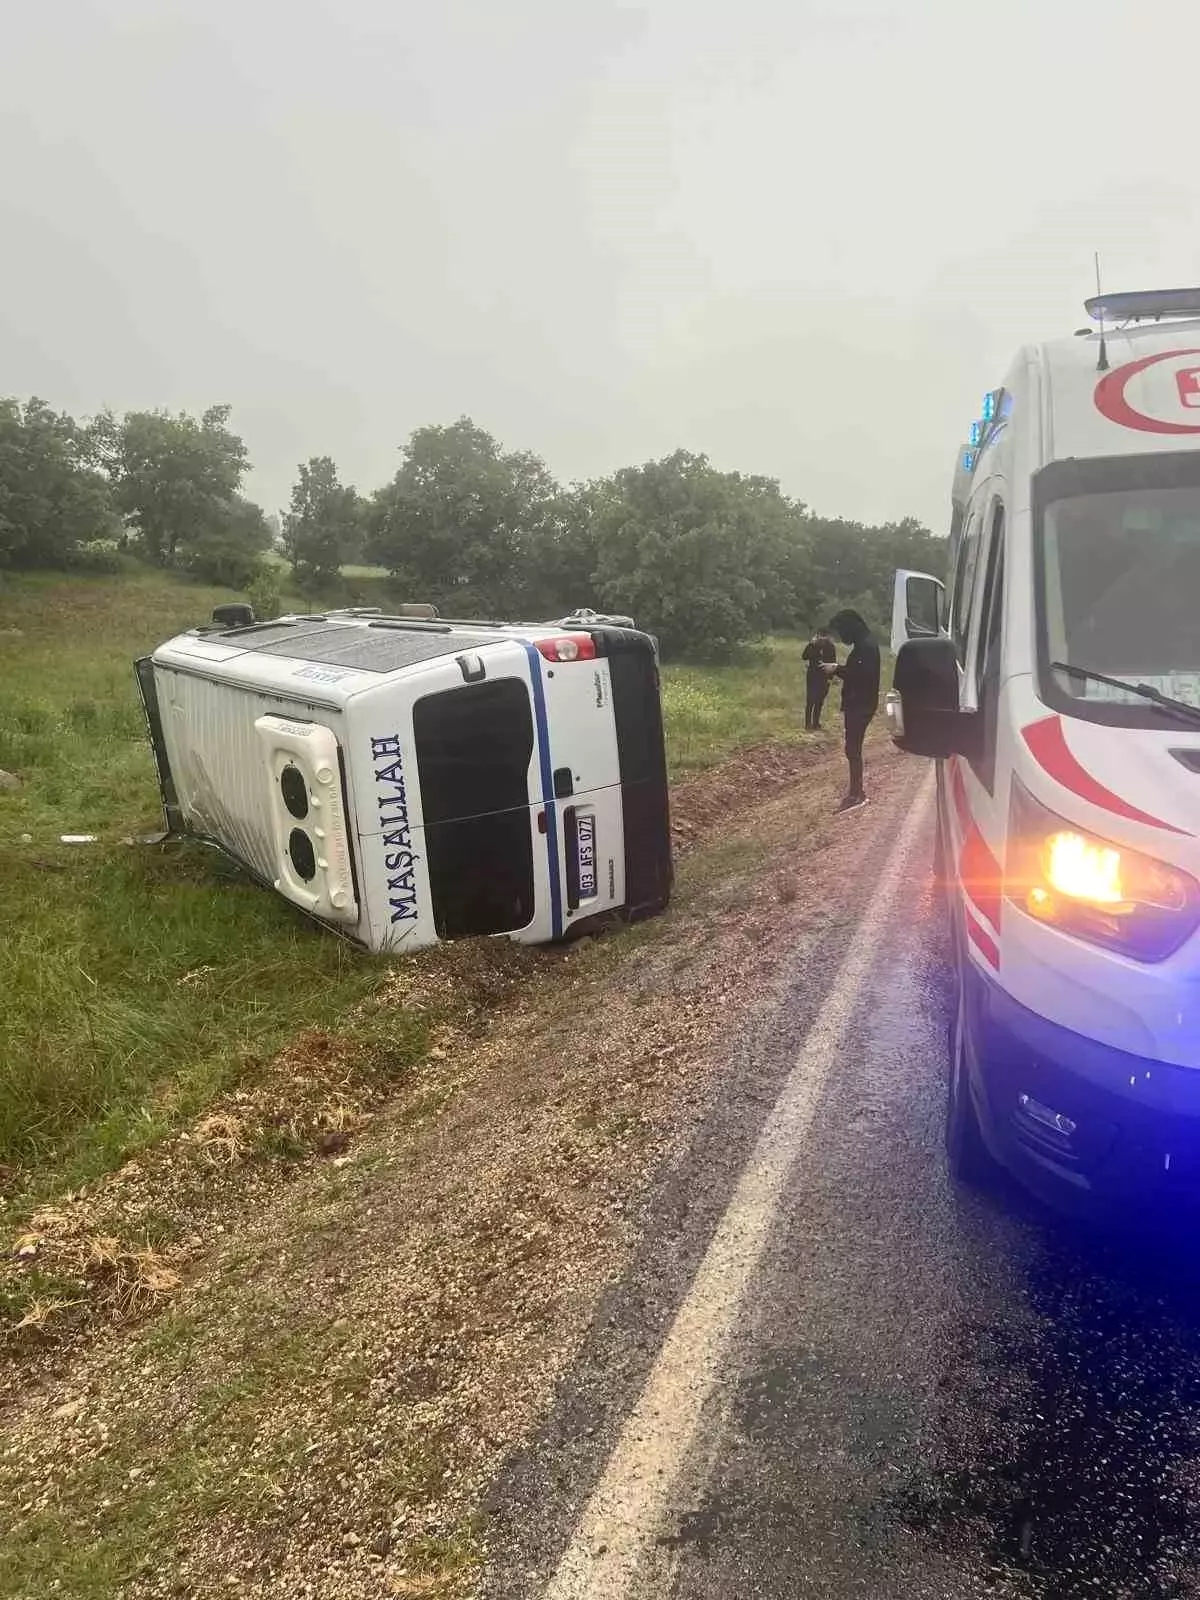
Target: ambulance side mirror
(923, 710)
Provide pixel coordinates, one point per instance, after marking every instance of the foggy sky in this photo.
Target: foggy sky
(802, 236)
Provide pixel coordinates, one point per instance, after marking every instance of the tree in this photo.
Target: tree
(52, 500)
(265, 591)
(176, 479)
(854, 564)
(563, 552)
(701, 558)
(322, 529)
(462, 521)
(229, 548)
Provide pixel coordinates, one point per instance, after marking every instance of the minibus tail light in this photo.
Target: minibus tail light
(568, 647)
(1094, 889)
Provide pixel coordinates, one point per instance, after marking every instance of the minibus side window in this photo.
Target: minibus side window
(988, 655)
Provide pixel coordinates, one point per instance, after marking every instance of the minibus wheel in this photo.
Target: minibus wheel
(967, 1155)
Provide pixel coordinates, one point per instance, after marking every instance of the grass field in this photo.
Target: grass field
(140, 983)
(711, 711)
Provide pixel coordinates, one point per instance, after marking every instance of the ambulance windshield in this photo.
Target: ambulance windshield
(1119, 595)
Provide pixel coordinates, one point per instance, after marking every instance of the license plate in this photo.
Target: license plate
(586, 828)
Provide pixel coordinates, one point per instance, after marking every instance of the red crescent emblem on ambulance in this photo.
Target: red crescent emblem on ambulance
(1111, 401)
(1048, 745)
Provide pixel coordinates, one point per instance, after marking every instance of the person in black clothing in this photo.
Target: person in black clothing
(860, 695)
(818, 653)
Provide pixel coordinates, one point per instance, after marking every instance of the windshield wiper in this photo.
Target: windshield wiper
(1179, 709)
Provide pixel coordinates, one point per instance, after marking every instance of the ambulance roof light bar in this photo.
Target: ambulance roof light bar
(1143, 305)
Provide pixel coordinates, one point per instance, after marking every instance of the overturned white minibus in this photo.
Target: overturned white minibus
(406, 779)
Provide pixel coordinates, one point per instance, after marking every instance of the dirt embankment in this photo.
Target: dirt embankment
(748, 779)
(353, 1332)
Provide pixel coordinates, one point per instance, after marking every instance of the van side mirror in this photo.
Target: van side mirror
(924, 712)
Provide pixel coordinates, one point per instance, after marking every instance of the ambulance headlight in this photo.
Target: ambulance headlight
(1094, 889)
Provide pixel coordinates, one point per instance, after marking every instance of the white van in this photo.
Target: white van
(407, 779)
(1058, 687)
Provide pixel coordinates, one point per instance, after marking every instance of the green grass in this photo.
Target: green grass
(224, 1462)
(111, 1029)
(712, 711)
(352, 572)
(236, 1457)
(140, 982)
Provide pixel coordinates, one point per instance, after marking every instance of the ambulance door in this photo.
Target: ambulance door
(976, 813)
(918, 608)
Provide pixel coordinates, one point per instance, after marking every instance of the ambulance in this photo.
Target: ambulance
(1055, 681)
(406, 779)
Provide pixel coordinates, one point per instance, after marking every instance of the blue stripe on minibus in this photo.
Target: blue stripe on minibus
(542, 722)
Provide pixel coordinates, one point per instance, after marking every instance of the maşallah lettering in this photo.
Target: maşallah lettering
(397, 839)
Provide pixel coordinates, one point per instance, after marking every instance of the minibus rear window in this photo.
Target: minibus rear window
(481, 874)
(638, 715)
(474, 747)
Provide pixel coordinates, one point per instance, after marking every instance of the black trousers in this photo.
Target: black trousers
(818, 688)
(857, 723)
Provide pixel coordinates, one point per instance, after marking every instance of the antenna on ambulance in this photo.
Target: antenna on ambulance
(1102, 363)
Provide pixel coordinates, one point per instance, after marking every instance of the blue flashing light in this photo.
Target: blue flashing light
(989, 406)
(968, 461)
(976, 434)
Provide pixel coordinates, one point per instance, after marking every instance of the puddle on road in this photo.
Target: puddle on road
(1065, 1455)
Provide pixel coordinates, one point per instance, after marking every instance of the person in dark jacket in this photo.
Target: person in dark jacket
(860, 695)
(818, 653)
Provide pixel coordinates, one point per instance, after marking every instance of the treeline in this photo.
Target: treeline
(707, 560)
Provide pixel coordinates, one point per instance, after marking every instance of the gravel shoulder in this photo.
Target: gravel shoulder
(344, 1352)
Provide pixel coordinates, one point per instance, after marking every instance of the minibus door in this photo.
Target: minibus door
(586, 779)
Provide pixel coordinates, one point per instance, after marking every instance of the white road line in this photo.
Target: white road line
(626, 1511)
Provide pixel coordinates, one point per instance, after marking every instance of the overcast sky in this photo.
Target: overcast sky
(802, 236)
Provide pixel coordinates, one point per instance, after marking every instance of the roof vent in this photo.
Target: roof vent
(233, 616)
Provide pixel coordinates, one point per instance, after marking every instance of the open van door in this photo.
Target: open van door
(918, 608)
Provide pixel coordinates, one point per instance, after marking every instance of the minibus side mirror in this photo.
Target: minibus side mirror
(923, 708)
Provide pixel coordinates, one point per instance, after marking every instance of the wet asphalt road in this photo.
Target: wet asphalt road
(928, 1392)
